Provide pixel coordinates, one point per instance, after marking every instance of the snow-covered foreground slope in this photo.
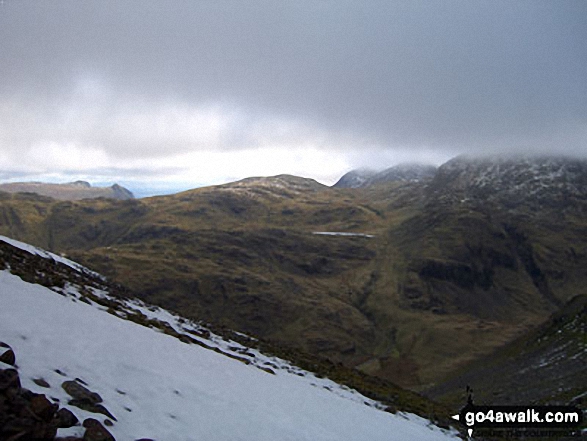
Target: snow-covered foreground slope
(161, 388)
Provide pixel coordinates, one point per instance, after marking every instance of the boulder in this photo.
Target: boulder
(8, 357)
(43, 408)
(41, 382)
(65, 418)
(81, 393)
(95, 431)
(94, 408)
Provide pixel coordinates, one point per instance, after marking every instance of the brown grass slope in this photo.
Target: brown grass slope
(449, 275)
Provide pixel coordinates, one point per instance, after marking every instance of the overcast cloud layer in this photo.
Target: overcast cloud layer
(201, 92)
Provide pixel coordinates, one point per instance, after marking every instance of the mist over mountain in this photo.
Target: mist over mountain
(511, 181)
(398, 173)
(355, 178)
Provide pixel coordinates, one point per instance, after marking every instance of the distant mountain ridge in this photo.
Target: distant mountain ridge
(71, 191)
(408, 172)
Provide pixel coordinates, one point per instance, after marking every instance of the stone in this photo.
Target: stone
(95, 431)
(65, 418)
(41, 382)
(8, 357)
(43, 408)
(94, 408)
(81, 393)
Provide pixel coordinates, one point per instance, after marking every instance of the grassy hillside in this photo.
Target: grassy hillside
(442, 282)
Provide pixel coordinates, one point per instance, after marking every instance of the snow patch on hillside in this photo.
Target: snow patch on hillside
(340, 233)
(161, 388)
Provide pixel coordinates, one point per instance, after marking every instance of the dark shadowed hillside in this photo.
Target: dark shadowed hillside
(545, 366)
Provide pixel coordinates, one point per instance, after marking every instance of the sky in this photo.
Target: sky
(164, 95)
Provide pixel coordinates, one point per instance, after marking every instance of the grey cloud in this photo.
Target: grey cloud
(412, 74)
(109, 173)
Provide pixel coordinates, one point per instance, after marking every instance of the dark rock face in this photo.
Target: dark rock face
(463, 275)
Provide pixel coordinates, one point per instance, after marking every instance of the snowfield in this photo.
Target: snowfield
(161, 388)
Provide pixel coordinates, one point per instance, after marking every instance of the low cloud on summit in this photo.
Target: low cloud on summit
(200, 92)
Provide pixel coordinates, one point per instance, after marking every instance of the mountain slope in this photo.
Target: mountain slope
(174, 380)
(355, 178)
(71, 191)
(436, 273)
(551, 358)
(398, 173)
(536, 182)
(403, 173)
